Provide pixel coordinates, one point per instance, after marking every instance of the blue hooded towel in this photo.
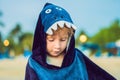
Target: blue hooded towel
(75, 66)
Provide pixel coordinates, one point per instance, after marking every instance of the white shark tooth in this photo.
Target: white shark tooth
(61, 24)
(74, 27)
(49, 31)
(54, 26)
(68, 24)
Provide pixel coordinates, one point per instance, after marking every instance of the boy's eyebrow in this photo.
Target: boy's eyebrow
(62, 36)
(49, 36)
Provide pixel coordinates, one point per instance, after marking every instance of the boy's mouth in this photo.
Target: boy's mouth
(61, 24)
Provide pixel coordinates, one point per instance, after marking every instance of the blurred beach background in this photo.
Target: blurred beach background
(15, 69)
(97, 34)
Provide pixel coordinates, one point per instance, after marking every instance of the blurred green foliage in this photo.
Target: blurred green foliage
(20, 41)
(104, 36)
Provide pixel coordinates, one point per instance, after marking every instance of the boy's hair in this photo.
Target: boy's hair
(70, 31)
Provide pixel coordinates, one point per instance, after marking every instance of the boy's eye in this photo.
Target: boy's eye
(63, 39)
(50, 40)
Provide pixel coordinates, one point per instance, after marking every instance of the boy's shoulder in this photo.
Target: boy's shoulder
(78, 52)
(94, 71)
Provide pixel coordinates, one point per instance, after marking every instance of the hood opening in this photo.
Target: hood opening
(39, 43)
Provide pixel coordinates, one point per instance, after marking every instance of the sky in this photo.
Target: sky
(87, 15)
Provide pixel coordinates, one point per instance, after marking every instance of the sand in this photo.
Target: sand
(111, 65)
(14, 69)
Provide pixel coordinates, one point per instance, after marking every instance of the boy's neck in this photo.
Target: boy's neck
(56, 61)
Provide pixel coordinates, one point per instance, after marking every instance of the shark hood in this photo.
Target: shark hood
(51, 16)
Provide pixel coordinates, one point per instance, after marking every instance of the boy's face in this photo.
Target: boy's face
(57, 43)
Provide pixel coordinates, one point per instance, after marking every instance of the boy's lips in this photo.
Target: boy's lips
(56, 52)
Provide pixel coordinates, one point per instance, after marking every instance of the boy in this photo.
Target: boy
(54, 55)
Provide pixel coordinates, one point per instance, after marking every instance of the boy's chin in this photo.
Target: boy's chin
(55, 54)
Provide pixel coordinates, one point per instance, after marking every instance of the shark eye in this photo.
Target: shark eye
(48, 11)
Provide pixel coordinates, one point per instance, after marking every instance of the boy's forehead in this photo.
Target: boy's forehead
(61, 34)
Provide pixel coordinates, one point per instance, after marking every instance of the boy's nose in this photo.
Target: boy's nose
(57, 45)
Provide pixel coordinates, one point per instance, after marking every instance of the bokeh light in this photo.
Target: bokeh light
(83, 38)
(6, 43)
